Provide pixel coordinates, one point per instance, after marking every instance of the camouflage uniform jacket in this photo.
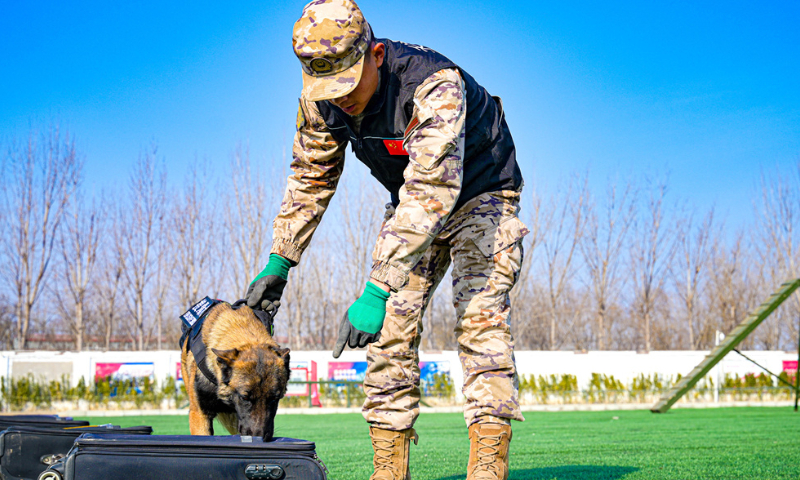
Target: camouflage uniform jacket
(432, 177)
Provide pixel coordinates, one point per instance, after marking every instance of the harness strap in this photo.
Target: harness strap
(192, 327)
(198, 348)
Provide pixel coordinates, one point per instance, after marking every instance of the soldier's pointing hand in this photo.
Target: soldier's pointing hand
(362, 322)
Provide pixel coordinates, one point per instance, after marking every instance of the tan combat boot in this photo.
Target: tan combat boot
(391, 453)
(488, 451)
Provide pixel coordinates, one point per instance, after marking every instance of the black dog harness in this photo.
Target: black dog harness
(192, 327)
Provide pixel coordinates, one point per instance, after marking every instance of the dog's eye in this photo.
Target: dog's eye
(244, 396)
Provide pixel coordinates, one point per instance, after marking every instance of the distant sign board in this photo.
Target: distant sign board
(303, 371)
(355, 371)
(352, 371)
(298, 389)
(428, 369)
(124, 371)
(790, 366)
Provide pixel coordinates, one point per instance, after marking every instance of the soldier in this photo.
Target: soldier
(440, 145)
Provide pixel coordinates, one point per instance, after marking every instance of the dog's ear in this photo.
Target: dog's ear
(226, 356)
(225, 359)
(284, 354)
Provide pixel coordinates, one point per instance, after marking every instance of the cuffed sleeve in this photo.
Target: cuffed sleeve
(434, 141)
(317, 163)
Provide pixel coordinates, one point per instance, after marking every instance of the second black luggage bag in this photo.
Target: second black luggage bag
(39, 421)
(25, 452)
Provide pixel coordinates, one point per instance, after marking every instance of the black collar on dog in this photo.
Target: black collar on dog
(192, 327)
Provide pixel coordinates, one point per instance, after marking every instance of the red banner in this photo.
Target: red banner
(790, 366)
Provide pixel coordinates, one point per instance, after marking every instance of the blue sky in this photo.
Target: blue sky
(708, 92)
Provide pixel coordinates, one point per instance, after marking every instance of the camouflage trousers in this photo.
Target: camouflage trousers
(483, 239)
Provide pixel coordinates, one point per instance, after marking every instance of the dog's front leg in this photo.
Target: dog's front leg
(200, 423)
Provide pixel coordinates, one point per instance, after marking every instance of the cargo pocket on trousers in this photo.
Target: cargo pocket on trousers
(508, 232)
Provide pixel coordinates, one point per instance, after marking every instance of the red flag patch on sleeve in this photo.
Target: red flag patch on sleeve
(414, 122)
(395, 147)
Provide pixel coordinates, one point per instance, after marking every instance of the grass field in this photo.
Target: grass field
(731, 443)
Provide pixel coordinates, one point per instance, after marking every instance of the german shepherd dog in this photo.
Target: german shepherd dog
(251, 373)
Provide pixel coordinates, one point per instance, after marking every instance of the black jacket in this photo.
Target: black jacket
(490, 161)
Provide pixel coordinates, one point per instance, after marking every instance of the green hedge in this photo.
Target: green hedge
(24, 392)
(29, 393)
(645, 388)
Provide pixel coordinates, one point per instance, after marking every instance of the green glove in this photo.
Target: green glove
(264, 292)
(363, 321)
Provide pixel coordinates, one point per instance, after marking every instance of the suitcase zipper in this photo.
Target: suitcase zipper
(322, 464)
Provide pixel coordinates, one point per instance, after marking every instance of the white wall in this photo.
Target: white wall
(624, 365)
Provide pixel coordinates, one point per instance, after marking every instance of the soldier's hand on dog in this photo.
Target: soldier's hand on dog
(362, 322)
(264, 292)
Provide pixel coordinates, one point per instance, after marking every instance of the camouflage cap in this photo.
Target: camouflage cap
(330, 40)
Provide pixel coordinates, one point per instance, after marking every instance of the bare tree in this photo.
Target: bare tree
(111, 276)
(313, 304)
(602, 248)
(164, 276)
(693, 252)
(197, 233)
(732, 292)
(778, 227)
(143, 218)
(336, 266)
(250, 207)
(360, 213)
(300, 301)
(79, 245)
(523, 316)
(39, 180)
(651, 253)
(564, 226)
(6, 323)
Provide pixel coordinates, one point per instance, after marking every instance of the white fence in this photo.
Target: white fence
(623, 365)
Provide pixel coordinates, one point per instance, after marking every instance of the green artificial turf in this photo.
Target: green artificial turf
(727, 443)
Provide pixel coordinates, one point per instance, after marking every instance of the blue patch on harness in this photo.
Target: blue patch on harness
(197, 311)
(192, 320)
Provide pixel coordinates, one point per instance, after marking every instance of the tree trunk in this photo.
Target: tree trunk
(601, 329)
(79, 326)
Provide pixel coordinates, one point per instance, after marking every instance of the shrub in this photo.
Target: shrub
(26, 392)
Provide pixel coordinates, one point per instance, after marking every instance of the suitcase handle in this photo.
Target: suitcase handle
(268, 472)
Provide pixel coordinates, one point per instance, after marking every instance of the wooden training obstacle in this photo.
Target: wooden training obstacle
(730, 342)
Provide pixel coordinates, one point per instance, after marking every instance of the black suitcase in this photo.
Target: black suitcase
(39, 421)
(176, 457)
(25, 452)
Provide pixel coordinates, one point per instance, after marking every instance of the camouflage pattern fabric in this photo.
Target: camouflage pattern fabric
(483, 239)
(330, 39)
(435, 144)
(317, 163)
